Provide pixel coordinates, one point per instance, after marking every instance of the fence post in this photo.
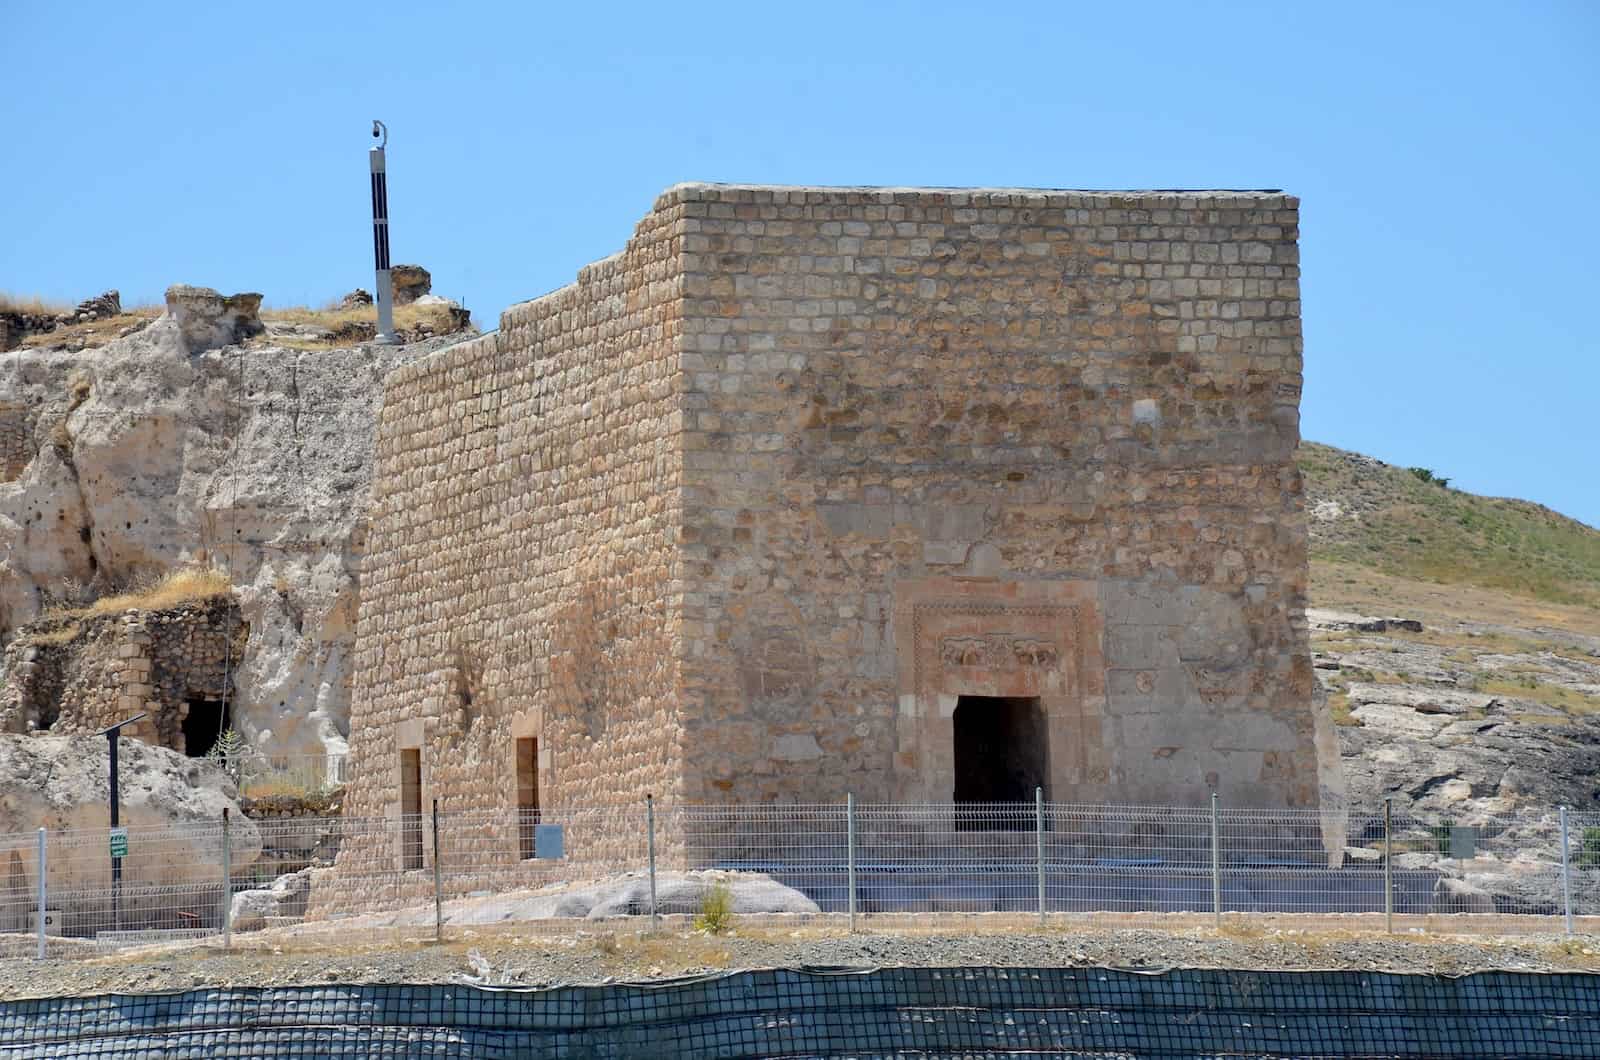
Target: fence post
(1038, 829)
(650, 843)
(850, 854)
(1216, 867)
(438, 879)
(227, 883)
(1388, 866)
(1566, 872)
(43, 888)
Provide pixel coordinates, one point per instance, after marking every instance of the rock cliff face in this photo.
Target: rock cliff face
(123, 462)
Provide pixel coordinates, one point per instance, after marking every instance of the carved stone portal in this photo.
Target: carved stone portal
(992, 641)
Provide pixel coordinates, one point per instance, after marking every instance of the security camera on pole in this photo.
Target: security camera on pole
(380, 235)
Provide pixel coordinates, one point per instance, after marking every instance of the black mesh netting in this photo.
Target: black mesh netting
(892, 1012)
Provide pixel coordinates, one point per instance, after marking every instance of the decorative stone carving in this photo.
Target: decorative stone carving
(1035, 653)
(1029, 649)
(964, 651)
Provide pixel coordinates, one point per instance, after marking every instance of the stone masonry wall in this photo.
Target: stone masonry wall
(74, 675)
(744, 513)
(521, 581)
(1014, 425)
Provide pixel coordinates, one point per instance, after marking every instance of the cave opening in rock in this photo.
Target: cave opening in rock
(205, 723)
(1000, 756)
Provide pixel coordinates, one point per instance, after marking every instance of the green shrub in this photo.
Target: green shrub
(1427, 475)
(1589, 849)
(1441, 836)
(716, 910)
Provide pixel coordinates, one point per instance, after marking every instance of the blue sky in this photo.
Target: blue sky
(1445, 154)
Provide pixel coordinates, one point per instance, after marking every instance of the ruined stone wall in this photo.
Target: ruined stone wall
(16, 434)
(520, 580)
(82, 674)
(993, 443)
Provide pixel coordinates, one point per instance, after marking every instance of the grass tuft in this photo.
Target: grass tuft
(180, 586)
(32, 304)
(55, 637)
(716, 910)
(349, 325)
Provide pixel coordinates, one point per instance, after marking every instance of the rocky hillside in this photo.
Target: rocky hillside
(1409, 522)
(1486, 696)
(207, 437)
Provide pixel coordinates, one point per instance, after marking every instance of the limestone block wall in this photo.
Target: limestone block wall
(1058, 426)
(521, 580)
(745, 512)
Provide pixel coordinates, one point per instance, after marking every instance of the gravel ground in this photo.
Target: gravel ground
(521, 959)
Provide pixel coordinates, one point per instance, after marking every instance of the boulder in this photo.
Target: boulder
(750, 892)
(61, 783)
(1459, 896)
(207, 319)
(623, 895)
(355, 299)
(286, 897)
(410, 282)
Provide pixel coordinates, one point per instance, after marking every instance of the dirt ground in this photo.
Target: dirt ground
(516, 956)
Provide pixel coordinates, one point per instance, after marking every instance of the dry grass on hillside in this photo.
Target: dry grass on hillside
(1406, 523)
(181, 586)
(1351, 587)
(94, 333)
(354, 324)
(31, 304)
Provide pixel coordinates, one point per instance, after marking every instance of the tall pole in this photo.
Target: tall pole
(1388, 865)
(650, 849)
(116, 819)
(850, 854)
(384, 295)
(112, 735)
(43, 887)
(1216, 867)
(1566, 872)
(227, 883)
(438, 880)
(1038, 833)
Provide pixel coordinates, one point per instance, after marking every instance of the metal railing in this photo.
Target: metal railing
(922, 867)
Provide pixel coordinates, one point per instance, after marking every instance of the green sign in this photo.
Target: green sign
(119, 842)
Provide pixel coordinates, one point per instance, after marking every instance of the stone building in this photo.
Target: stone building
(80, 674)
(929, 495)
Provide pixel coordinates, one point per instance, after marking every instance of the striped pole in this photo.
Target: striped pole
(384, 294)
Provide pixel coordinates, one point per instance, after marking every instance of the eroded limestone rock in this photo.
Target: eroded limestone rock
(62, 783)
(410, 282)
(208, 319)
(129, 460)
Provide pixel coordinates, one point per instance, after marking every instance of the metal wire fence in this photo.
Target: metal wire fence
(905, 867)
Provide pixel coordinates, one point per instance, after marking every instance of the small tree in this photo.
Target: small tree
(230, 752)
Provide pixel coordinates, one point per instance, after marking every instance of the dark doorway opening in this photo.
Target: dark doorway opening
(205, 723)
(1000, 756)
(411, 808)
(527, 795)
